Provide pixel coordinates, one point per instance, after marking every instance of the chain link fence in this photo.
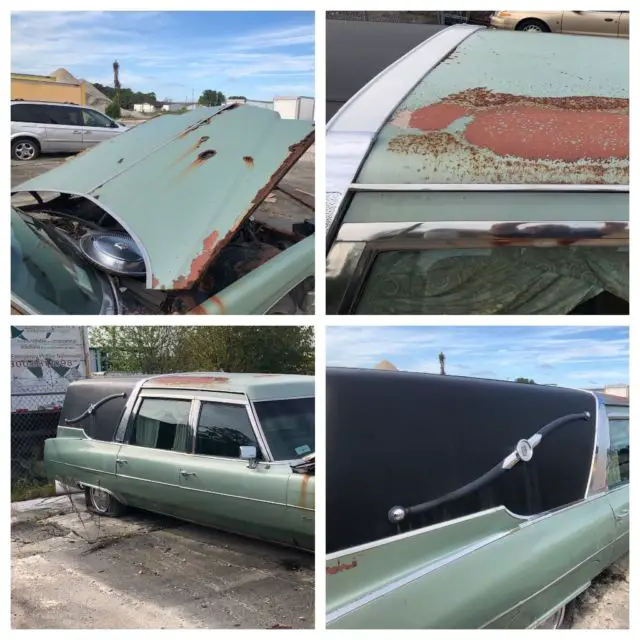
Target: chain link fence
(34, 418)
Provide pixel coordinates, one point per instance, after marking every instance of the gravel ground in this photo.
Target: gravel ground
(74, 571)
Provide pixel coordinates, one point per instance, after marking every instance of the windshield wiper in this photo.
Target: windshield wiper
(522, 452)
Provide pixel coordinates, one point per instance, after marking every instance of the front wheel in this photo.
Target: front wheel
(102, 503)
(560, 619)
(533, 26)
(25, 149)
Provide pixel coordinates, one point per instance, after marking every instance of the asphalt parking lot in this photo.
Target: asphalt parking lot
(279, 209)
(71, 570)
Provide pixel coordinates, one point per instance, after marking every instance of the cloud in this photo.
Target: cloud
(155, 55)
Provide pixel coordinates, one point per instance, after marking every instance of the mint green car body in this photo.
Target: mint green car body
(492, 569)
(262, 498)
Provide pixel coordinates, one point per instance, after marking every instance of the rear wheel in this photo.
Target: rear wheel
(25, 149)
(102, 503)
(560, 619)
(533, 26)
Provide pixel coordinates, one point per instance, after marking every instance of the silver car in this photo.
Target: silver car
(53, 127)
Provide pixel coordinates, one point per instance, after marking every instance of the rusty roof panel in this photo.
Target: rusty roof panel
(182, 185)
(506, 107)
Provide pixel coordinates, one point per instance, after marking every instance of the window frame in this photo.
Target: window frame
(60, 108)
(610, 419)
(93, 111)
(358, 244)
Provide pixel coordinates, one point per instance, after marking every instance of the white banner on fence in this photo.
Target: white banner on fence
(44, 360)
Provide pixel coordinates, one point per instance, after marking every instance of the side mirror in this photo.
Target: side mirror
(249, 453)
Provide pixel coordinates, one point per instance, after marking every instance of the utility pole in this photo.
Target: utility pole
(441, 358)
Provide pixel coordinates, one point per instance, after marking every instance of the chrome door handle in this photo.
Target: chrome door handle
(121, 461)
(187, 473)
(621, 515)
(77, 132)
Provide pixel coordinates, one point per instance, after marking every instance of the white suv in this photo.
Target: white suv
(53, 127)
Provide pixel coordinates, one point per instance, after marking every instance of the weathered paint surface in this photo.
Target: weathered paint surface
(505, 108)
(183, 185)
(261, 288)
(256, 387)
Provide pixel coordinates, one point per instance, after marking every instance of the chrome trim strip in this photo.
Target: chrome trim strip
(596, 482)
(416, 532)
(351, 132)
(23, 306)
(412, 577)
(121, 430)
(257, 427)
(215, 493)
(600, 188)
(463, 234)
(97, 486)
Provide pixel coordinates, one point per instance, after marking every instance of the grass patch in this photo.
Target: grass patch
(30, 490)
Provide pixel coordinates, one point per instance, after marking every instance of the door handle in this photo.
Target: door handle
(621, 515)
(608, 19)
(187, 473)
(121, 461)
(77, 132)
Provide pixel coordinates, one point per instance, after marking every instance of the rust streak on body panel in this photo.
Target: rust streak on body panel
(304, 486)
(191, 380)
(212, 245)
(339, 568)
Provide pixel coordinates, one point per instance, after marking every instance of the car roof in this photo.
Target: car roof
(508, 107)
(53, 104)
(256, 386)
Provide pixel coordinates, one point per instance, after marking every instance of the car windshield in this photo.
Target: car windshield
(289, 426)
(503, 280)
(46, 278)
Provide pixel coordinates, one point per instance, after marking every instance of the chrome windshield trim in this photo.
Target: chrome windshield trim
(351, 132)
(257, 427)
(604, 188)
(465, 233)
(597, 481)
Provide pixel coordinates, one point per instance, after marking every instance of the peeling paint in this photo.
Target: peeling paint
(199, 263)
(339, 568)
(189, 380)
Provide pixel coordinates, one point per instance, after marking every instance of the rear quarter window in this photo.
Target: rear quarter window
(35, 113)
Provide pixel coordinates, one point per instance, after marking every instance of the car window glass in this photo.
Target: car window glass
(223, 429)
(95, 119)
(504, 280)
(618, 456)
(162, 424)
(35, 113)
(64, 116)
(288, 426)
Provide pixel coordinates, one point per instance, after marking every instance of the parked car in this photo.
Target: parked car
(161, 221)
(458, 182)
(231, 451)
(53, 127)
(614, 24)
(467, 503)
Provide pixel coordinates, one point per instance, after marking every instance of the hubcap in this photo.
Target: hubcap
(25, 150)
(553, 621)
(100, 500)
(532, 28)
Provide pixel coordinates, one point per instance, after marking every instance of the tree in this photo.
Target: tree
(237, 98)
(113, 110)
(525, 380)
(211, 98)
(441, 359)
(161, 349)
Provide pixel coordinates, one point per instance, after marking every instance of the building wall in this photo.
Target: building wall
(47, 91)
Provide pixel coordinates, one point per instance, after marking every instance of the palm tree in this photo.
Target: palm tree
(116, 81)
(441, 358)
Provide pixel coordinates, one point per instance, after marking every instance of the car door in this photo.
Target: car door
(222, 490)
(623, 27)
(97, 127)
(618, 478)
(64, 129)
(158, 439)
(591, 23)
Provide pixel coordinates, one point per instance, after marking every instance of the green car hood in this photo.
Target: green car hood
(182, 185)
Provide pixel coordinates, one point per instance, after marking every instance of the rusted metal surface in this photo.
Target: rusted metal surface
(182, 186)
(171, 381)
(505, 108)
(340, 567)
(304, 490)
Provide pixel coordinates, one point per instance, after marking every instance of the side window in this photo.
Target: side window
(618, 456)
(162, 424)
(223, 429)
(95, 119)
(34, 113)
(65, 115)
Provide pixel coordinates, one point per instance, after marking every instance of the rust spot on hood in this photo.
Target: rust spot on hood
(203, 156)
(199, 263)
(339, 568)
(248, 160)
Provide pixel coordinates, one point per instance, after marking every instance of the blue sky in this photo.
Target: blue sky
(256, 54)
(567, 356)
